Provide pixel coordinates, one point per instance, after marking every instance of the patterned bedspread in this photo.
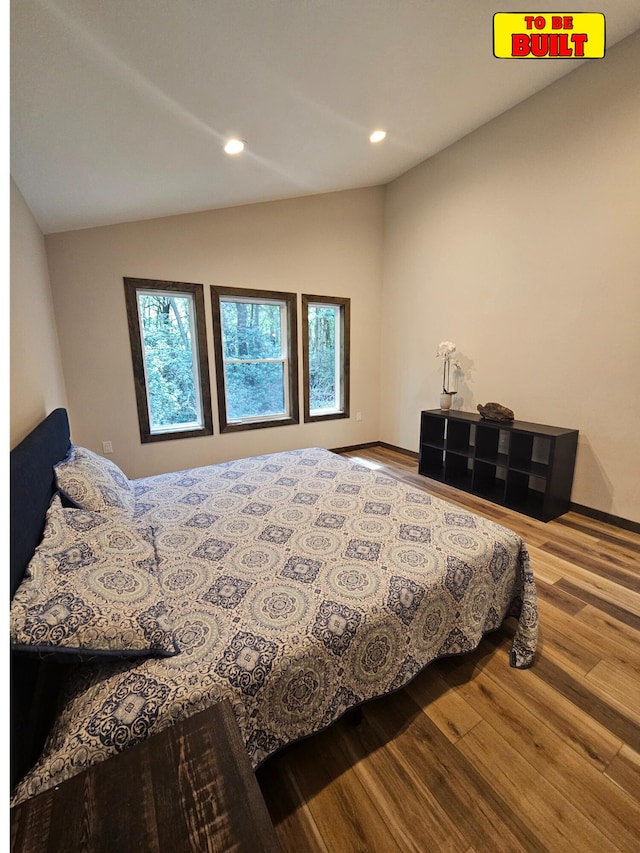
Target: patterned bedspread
(300, 584)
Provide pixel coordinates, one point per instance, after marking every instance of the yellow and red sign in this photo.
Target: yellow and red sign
(548, 35)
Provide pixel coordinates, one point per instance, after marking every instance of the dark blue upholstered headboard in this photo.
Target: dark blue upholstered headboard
(33, 681)
(33, 486)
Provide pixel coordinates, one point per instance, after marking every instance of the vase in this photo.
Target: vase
(445, 402)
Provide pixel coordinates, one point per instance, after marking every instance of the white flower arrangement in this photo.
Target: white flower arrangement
(445, 350)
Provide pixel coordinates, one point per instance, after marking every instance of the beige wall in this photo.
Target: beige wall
(36, 380)
(521, 243)
(326, 245)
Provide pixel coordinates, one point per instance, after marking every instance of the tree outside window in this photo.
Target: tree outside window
(169, 352)
(256, 368)
(325, 342)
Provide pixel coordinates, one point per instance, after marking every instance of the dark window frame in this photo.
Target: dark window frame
(344, 303)
(131, 288)
(290, 301)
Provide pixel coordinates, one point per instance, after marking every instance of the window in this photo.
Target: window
(169, 353)
(325, 347)
(255, 339)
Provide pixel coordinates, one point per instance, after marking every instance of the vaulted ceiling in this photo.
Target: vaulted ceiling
(119, 109)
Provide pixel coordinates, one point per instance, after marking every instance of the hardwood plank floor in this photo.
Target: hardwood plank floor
(473, 756)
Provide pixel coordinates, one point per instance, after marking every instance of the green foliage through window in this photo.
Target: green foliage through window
(254, 358)
(324, 357)
(169, 357)
(255, 344)
(325, 341)
(251, 330)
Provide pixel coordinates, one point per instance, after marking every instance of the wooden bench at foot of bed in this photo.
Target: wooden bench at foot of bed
(190, 787)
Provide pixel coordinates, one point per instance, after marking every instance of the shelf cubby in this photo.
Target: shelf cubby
(434, 432)
(489, 480)
(522, 492)
(530, 453)
(457, 470)
(459, 436)
(432, 462)
(525, 466)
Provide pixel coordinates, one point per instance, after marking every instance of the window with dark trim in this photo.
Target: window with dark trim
(169, 353)
(255, 344)
(325, 354)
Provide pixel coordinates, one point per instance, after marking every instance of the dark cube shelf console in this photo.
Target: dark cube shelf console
(523, 466)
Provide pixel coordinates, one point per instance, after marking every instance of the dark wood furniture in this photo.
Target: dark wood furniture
(527, 467)
(189, 788)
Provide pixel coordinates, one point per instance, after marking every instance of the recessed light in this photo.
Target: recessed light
(377, 135)
(234, 146)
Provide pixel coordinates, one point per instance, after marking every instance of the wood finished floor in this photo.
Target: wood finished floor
(475, 756)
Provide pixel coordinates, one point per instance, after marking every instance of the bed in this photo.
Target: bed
(296, 585)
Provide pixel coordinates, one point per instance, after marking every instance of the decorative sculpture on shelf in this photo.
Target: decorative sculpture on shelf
(495, 412)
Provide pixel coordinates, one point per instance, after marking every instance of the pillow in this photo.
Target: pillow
(93, 482)
(91, 590)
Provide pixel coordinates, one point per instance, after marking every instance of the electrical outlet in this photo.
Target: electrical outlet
(358, 416)
(107, 447)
